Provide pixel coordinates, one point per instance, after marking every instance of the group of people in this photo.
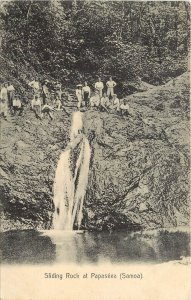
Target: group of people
(8, 99)
(47, 97)
(102, 99)
(44, 100)
(49, 92)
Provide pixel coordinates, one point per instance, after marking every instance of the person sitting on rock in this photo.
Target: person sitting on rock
(58, 103)
(36, 106)
(95, 100)
(115, 103)
(47, 110)
(124, 108)
(104, 103)
(17, 105)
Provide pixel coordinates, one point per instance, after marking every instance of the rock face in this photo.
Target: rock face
(29, 151)
(139, 166)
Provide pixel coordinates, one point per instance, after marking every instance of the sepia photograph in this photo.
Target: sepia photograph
(95, 150)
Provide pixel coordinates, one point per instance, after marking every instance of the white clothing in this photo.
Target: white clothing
(17, 102)
(105, 101)
(111, 84)
(99, 85)
(78, 92)
(4, 94)
(36, 102)
(124, 106)
(45, 90)
(47, 107)
(110, 87)
(35, 85)
(110, 91)
(58, 103)
(116, 104)
(79, 97)
(86, 89)
(95, 100)
(10, 88)
(3, 107)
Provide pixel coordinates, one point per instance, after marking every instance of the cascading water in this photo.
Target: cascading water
(71, 178)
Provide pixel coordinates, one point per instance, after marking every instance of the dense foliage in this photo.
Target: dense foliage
(77, 40)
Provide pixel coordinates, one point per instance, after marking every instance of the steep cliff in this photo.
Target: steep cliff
(139, 165)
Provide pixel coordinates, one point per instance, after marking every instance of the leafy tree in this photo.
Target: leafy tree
(74, 40)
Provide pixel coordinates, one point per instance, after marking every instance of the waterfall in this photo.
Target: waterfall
(71, 178)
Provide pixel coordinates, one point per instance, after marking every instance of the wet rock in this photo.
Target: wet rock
(139, 173)
(139, 165)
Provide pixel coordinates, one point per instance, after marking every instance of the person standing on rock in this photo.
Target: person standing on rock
(4, 91)
(58, 88)
(35, 86)
(36, 106)
(79, 95)
(45, 92)
(11, 91)
(86, 94)
(99, 87)
(4, 100)
(110, 87)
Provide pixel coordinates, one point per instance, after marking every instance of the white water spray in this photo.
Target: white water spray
(71, 178)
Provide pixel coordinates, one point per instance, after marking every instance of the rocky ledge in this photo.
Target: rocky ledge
(139, 166)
